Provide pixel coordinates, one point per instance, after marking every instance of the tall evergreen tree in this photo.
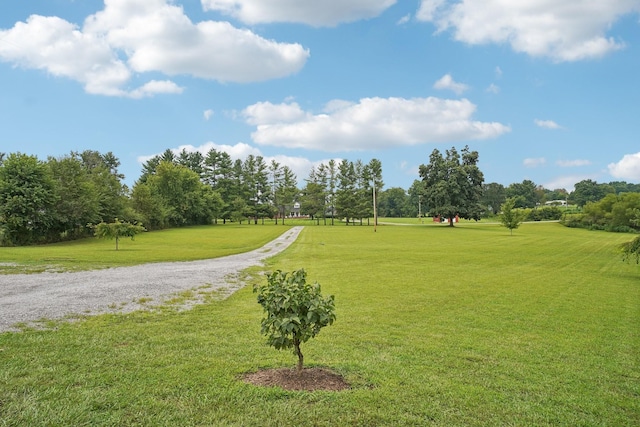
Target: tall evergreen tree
(345, 196)
(374, 174)
(275, 172)
(287, 191)
(218, 175)
(193, 160)
(313, 196)
(332, 175)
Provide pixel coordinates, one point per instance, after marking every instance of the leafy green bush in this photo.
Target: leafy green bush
(546, 213)
(295, 310)
(618, 213)
(620, 229)
(573, 220)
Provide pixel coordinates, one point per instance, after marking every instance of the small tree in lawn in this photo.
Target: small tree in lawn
(117, 229)
(511, 217)
(295, 310)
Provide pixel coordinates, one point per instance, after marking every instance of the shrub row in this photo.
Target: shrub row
(584, 221)
(546, 213)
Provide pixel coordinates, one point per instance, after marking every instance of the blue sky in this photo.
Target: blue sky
(543, 90)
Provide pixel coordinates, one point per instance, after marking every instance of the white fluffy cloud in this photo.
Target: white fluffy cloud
(160, 37)
(447, 82)
(573, 163)
(372, 123)
(311, 12)
(547, 124)
(627, 168)
(266, 112)
(155, 87)
(237, 151)
(141, 36)
(534, 162)
(301, 166)
(60, 48)
(561, 30)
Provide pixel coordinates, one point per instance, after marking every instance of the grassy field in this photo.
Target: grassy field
(436, 326)
(184, 244)
(429, 221)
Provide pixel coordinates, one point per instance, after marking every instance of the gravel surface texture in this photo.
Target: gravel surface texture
(29, 298)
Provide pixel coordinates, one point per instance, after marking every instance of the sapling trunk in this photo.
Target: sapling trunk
(296, 344)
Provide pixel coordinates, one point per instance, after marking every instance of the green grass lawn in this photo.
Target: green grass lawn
(436, 326)
(183, 244)
(429, 221)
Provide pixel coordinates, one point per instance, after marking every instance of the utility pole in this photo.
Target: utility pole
(375, 210)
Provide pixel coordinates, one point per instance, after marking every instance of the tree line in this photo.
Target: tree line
(250, 189)
(57, 199)
(43, 202)
(64, 198)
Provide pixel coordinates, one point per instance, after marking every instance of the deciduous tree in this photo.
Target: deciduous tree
(453, 184)
(176, 197)
(394, 203)
(27, 200)
(109, 189)
(510, 216)
(78, 200)
(523, 193)
(493, 196)
(589, 191)
(295, 310)
(116, 230)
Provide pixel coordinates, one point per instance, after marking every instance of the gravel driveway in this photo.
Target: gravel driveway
(26, 298)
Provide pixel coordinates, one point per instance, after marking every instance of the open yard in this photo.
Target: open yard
(183, 244)
(464, 326)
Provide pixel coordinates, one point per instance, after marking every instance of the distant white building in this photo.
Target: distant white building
(295, 212)
(556, 203)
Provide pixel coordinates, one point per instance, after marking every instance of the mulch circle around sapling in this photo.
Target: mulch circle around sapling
(310, 379)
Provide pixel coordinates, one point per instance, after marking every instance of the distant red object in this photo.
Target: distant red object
(446, 220)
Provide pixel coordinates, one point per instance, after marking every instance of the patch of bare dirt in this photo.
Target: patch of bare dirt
(309, 379)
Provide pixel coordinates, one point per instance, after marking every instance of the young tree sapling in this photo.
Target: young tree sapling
(295, 310)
